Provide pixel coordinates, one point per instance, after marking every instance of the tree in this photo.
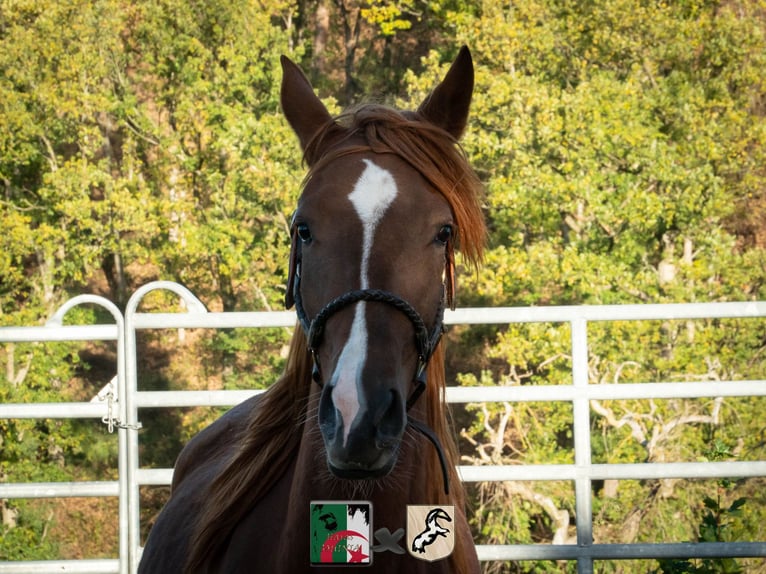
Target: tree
(619, 142)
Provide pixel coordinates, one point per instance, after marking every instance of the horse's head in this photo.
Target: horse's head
(387, 198)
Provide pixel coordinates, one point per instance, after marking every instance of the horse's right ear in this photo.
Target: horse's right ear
(304, 111)
(447, 106)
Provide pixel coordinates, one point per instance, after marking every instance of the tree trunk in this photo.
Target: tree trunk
(351, 27)
(320, 39)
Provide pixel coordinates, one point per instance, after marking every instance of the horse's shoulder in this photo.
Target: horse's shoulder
(196, 467)
(212, 442)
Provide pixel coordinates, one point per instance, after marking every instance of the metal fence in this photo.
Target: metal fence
(119, 403)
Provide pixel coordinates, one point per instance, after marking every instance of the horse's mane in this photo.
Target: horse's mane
(273, 434)
(269, 442)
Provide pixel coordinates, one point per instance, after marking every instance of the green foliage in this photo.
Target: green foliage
(602, 151)
(27, 539)
(228, 162)
(599, 130)
(45, 450)
(622, 145)
(720, 523)
(248, 356)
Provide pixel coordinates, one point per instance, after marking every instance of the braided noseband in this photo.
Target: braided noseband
(425, 343)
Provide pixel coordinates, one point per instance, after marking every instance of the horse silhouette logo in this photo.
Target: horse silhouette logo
(429, 532)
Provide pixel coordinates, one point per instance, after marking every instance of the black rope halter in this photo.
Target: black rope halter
(425, 343)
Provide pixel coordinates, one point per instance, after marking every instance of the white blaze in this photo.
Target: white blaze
(373, 193)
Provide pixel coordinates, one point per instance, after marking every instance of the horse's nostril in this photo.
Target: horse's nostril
(327, 413)
(382, 407)
(390, 419)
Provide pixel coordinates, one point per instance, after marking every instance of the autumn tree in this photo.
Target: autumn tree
(600, 130)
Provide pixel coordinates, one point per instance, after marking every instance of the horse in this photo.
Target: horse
(359, 412)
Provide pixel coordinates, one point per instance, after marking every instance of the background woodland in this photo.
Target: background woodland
(622, 144)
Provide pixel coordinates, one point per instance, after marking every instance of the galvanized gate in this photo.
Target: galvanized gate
(119, 403)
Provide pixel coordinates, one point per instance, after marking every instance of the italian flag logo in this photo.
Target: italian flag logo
(340, 532)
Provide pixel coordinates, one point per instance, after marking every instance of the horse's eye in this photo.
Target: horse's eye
(303, 231)
(444, 235)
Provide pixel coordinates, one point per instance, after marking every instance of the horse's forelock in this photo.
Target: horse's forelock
(430, 150)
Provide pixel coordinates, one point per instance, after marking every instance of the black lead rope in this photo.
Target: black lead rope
(426, 431)
(424, 341)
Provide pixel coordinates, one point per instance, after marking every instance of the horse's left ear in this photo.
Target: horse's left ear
(447, 106)
(304, 111)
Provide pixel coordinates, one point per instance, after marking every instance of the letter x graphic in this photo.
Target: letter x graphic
(388, 541)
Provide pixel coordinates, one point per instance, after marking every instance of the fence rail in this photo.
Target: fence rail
(119, 406)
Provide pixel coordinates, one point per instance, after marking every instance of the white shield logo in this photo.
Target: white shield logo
(430, 532)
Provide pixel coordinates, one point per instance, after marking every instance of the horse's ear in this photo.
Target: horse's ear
(447, 106)
(293, 270)
(304, 111)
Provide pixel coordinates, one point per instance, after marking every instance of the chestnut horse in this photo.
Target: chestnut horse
(360, 412)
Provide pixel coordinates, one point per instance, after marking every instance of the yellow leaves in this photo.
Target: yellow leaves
(15, 241)
(386, 16)
(16, 227)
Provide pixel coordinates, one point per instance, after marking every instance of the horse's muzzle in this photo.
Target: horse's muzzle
(366, 447)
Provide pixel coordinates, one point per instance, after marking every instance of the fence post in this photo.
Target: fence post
(129, 408)
(123, 475)
(581, 431)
